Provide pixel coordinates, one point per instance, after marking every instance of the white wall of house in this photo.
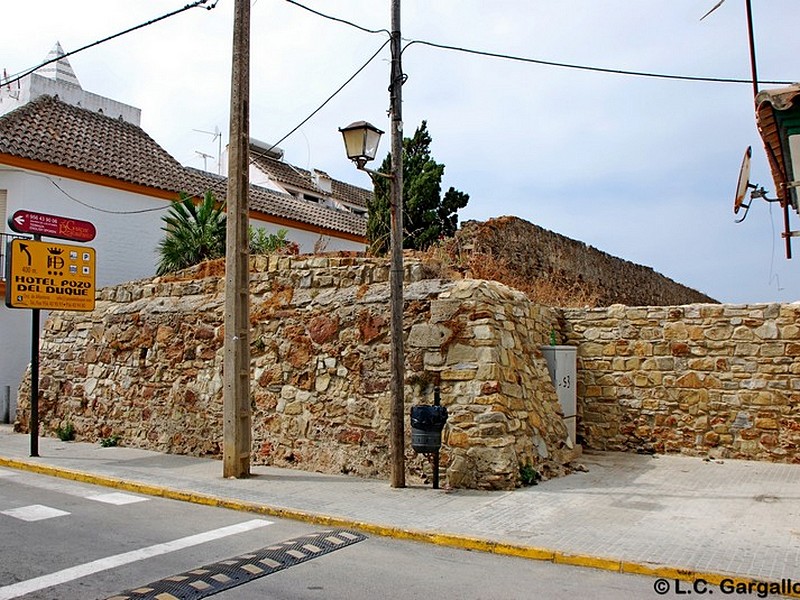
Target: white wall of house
(15, 338)
(36, 85)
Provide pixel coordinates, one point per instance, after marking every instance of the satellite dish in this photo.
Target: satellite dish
(743, 185)
(744, 182)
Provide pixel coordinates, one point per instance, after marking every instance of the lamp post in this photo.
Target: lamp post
(361, 142)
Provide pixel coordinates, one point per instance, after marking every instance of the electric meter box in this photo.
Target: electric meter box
(561, 365)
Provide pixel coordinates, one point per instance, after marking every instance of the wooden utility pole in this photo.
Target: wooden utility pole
(397, 446)
(236, 369)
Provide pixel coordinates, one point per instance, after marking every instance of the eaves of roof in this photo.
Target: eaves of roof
(767, 102)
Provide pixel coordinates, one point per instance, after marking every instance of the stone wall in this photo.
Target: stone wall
(146, 366)
(718, 380)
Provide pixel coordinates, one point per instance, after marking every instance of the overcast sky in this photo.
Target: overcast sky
(644, 169)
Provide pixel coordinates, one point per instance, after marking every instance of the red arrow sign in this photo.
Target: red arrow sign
(64, 228)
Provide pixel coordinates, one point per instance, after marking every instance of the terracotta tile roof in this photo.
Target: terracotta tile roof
(350, 193)
(294, 177)
(47, 130)
(53, 132)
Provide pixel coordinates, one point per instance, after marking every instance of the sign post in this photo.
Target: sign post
(41, 275)
(63, 228)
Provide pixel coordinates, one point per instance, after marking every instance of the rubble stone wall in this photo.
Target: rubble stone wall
(717, 380)
(146, 366)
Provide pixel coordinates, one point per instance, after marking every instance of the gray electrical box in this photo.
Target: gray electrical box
(561, 364)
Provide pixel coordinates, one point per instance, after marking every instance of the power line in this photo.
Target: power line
(337, 19)
(545, 62)
(590, 68)
(17, 77)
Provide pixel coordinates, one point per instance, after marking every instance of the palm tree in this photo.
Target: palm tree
(194, 233)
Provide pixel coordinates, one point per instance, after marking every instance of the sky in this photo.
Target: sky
(644, 169)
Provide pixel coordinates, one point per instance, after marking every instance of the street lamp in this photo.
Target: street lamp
(361, 141)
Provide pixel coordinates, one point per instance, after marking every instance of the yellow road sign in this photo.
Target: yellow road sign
(50, 276)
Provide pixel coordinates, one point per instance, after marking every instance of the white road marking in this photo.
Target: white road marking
(34, 512)
(117, 498)
(45, 581)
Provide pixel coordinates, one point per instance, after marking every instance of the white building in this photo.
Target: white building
(67, 152)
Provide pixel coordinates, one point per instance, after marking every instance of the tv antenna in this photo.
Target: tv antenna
(217, 137)
(205, 156)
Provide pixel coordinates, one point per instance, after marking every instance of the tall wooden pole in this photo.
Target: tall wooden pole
(236, 369)
(752, 42)
(398, 470)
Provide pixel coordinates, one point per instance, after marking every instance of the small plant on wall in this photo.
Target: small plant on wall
(110, 441)
(528, 475)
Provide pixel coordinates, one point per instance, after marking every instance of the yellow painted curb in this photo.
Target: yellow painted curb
(584, 560)
(450, 540)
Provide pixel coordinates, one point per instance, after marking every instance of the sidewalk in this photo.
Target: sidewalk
(667, 516)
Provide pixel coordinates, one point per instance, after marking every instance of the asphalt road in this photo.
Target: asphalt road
(66, 540)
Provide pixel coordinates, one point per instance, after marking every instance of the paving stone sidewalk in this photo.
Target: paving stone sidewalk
(726, 517)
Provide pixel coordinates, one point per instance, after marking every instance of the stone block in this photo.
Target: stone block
(428, 335)
(459, 373)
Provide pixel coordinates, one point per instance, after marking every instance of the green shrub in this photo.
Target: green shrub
(66, 433)
(528, 475)
(109, 442)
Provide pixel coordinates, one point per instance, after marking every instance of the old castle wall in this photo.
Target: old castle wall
(718, 380)
(146, 366)
(530, 252)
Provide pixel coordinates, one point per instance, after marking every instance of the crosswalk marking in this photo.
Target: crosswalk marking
(34, 512)
(117, 498)
(39, 583)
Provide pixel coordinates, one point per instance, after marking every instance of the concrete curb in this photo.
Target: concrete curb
(665, 572)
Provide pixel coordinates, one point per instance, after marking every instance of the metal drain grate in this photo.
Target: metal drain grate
(226, 574)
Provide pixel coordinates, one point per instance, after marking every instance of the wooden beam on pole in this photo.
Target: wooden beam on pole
(236, 368)
(397, 432)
